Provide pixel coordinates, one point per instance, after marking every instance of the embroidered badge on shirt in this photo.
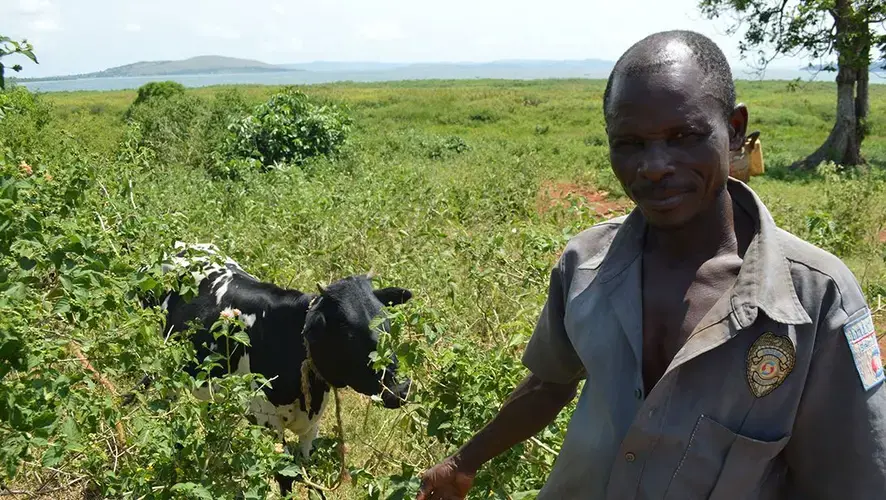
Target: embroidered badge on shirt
(770, 360)
(865, 350)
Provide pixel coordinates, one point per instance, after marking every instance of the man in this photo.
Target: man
(724, 358)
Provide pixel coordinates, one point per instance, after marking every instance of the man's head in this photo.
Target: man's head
(672, 119)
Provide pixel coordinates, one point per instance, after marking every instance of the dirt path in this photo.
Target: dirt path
(552, 194)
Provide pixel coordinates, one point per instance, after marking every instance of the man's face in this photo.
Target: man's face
(669, 142)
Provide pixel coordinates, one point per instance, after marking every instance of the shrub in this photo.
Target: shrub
(167, 126)
(439, 148)
(158, 90)
(836, 223)
(24, 115)
(289, 128)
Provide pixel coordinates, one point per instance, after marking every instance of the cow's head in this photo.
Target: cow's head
(341, 334)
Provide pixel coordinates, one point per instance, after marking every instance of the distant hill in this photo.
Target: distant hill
(204, 70)
(875, 67)
(317, 71)
(200, 65)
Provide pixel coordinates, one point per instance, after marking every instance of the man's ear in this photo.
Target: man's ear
(392, 295)
(738, 127)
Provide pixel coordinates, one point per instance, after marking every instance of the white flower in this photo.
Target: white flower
(230, 313)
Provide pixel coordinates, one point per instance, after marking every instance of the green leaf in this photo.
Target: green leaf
(192, 490)
(241, 336)
(62, 306)
(525, 495)
(291, 471)
(30, 55)
(53, 456)
(69, 429)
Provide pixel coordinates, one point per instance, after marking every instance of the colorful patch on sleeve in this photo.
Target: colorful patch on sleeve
(865, 350)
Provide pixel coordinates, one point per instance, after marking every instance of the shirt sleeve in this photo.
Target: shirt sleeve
(549, 355)
(838, 443)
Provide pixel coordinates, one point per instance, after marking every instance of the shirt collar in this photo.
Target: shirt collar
(764, 281)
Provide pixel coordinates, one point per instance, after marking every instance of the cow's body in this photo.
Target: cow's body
(337, 334)
(274, 319)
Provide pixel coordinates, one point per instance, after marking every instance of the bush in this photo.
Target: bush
(439, 148)
(837, 224)
(24, 115)
(168, 125)
(158, 90)
(288, 128)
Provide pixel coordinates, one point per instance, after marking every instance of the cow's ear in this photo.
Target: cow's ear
(392, 295)
(315, 326)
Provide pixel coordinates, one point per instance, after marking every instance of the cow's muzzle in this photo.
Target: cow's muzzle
(394, 395)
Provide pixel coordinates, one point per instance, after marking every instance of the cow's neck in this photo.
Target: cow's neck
(308, 365)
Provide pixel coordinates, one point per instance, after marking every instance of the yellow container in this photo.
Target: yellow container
(756, 166)
(748, 161)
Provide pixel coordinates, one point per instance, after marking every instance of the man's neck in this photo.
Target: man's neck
(710, 234)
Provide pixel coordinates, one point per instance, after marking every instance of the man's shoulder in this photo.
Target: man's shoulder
(817, 272)
(591, 244)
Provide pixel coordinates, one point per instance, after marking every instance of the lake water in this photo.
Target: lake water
(398, 74)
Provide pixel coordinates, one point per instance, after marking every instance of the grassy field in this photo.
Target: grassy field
(462, 191)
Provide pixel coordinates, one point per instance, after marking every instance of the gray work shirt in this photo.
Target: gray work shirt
(777, 394)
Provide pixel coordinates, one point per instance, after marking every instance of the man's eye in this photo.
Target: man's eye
(686, 136)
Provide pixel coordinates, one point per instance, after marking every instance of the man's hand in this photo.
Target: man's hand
(445, 481)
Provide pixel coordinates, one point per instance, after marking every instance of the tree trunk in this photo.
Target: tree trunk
(862, 104)
(843, 144)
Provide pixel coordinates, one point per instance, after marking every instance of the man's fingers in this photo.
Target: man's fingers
(424, 490)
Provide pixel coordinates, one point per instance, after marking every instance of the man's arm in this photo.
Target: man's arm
(838, 445)
(555, 373)
(532, 406)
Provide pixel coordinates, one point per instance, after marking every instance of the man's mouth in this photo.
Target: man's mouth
(663, 201)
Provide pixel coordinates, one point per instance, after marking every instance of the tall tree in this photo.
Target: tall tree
(853, 30)
(8, 46)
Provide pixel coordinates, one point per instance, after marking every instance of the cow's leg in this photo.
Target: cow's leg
(306, 440)
(263, 413)
(285, 482)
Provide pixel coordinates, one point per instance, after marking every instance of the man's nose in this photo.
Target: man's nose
(656, 163)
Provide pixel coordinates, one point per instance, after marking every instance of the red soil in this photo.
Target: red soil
(553, 194)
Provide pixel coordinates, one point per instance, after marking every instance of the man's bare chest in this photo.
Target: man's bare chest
(674, 303)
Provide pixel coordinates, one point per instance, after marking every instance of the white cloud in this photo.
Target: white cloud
(132, 27)
(381, 31)
(42, 15)
(278, 8)
(217, 31)
(45, 25)
(34, 6)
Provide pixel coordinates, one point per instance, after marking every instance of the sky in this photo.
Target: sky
(81, 36)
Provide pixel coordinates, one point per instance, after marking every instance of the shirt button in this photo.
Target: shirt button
(630, 457)
(639, 393)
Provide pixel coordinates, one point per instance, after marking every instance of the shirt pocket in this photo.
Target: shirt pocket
(719, 464)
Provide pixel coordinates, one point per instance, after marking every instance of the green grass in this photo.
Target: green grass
(461, 229)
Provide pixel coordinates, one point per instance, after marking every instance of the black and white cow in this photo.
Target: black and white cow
(284, 326)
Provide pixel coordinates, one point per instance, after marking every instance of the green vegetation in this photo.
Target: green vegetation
(819, 29)
(9, 47)
(463, 191)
